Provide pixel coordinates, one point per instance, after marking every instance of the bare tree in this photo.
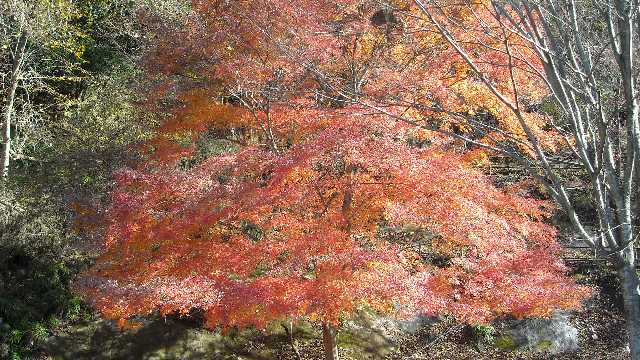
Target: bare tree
(37, 44)
(14, 30)
(587, 54)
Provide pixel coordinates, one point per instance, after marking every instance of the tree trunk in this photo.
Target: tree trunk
(8, 110)
(329, 340)
(6, 126)
(630, 292)
(292, 341)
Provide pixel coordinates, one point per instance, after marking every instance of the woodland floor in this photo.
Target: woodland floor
(600, 324)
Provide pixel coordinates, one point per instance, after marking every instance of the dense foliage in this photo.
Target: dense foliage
(267, 189)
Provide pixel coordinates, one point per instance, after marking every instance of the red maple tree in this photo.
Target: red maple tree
(291, 219)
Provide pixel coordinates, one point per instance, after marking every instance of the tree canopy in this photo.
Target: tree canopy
(270, 190)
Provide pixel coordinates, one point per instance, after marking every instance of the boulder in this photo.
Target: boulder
(554, 335)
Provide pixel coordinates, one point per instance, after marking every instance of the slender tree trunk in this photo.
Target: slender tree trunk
(329, 335)
(6, 125)
(630, 292)
(8, 109)
(292, 341)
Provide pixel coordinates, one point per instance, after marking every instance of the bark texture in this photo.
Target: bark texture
(329, 335)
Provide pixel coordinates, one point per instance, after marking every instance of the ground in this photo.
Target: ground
(600, 325)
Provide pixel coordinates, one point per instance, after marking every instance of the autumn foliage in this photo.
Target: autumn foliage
(267, 194)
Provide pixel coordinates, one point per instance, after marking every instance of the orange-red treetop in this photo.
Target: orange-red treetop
(294, 221)
(356, 50)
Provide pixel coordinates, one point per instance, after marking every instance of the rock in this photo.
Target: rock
(372, 336)
(554, 335)
(395, 327)
(416, 323)
(389, 328)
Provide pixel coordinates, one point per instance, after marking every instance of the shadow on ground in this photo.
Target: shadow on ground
(177, 339)
(159, 339)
